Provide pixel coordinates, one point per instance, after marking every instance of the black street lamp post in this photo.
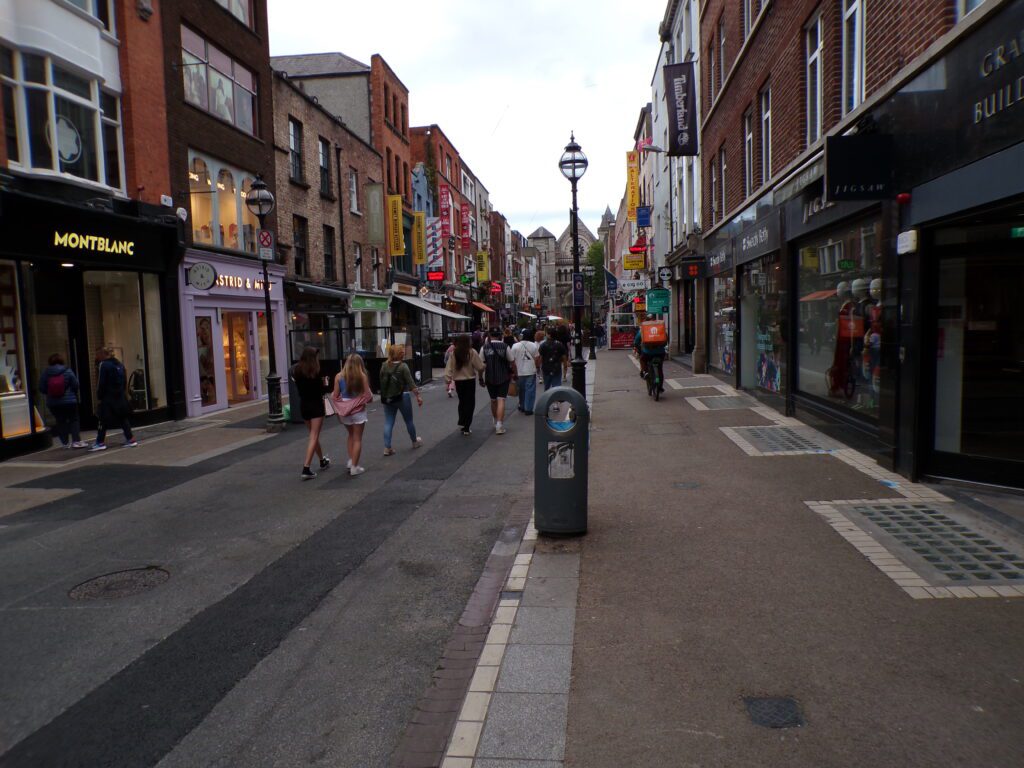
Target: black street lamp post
(589, 271)
(260, 201)
(573, 165)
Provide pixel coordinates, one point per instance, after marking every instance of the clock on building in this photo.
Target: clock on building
(202, 276)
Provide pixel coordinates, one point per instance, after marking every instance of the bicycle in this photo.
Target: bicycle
(655, 377)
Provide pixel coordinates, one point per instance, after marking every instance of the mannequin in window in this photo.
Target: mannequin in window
(872, 354)
(842, 376)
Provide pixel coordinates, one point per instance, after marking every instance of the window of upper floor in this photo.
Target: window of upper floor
(964, 7)
(812, 79)
(296, 172)
(43, 99)
(219, 215)
(217, 84)
(240, 9)
(353, 190)
(102, 10)
(324, 161)
(853, 54)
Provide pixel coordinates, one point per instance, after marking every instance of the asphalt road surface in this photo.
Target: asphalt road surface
(301, 621)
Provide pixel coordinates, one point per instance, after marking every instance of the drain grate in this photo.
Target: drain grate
(686, 486)
(723, 402)
(111, 586)
(955, 551)
(785, 439)
(774, 711)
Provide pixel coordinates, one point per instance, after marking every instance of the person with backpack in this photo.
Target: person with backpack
(396, 384)
(527, 358)
(554, 359)
(461, 371)
(499, 370)
(113, 409)
(61, 388)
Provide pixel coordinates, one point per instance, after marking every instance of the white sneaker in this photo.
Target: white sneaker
(79, 444)
(353, 471)
(348, 464)
(417, 442)
(97, 447)
(499, 429)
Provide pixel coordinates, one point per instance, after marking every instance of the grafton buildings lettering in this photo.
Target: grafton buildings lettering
(1008, 95)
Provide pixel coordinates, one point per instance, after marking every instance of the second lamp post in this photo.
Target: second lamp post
(573, 164)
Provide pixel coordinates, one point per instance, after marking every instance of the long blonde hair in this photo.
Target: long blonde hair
(353, 373)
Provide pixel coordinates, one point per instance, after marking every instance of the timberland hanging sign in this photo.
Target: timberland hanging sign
(96, 243)
(681, 95)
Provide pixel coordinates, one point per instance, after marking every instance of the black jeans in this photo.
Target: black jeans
(114, 413)
(466, 390)
(66, 415)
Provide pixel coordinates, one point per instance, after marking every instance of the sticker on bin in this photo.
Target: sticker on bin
(561, 461)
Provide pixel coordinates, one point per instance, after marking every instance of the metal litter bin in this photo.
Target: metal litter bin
(561, 450)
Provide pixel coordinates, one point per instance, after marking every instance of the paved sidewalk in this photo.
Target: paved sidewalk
(742, 568)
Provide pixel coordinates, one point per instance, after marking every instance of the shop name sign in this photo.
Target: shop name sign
(1008, 54)
(239, 283)
(93, 243)
(759, 239)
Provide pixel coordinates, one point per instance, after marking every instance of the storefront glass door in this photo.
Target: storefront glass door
(206, 360)
(237, 351)
(979, 361)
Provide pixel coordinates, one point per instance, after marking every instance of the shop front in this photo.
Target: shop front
(410, 326)
(224, 327)
(74, 280)
(721, 292)
(687, 278)
(762, 299)
(956, 126)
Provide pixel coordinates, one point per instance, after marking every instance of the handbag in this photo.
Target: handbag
(328, 405)
(513, 388)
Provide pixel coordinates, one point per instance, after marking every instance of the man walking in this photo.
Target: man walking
(113, 404)
(497, 374)
(526, 357)
(554, 359)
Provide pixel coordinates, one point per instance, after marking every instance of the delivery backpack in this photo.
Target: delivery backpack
(653, 333)
(56, 386)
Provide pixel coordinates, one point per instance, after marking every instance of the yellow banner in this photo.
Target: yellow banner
(397, 236)
(632, 184)
(483, 267)
(419, 238)
(633, 261)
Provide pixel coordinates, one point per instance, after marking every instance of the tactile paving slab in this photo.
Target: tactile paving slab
(786, 439)
(717, 403)
(935, 540)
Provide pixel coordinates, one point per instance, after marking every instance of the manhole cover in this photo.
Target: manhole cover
(722, 402)
(934, 539)
(774, 711)
(111, 586)
(686, 486)
(785, 439)
(668, 428)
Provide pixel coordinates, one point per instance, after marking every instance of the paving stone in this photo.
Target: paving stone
(516, 764)
(544, 626)
(563, 566)
(550, 592)
(525, 726)
(536, 669)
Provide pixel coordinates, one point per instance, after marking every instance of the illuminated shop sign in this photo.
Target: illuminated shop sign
(95, 243)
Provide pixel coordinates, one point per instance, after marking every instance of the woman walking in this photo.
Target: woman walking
(351, 395)
(463, 367)
(312, 388)
(396, 384)
(60, 385)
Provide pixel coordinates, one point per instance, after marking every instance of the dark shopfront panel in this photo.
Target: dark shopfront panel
(73, 280)
(973, 340)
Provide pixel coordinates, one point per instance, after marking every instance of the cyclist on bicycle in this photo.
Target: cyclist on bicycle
(645, 350)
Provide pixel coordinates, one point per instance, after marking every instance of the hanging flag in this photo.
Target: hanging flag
(444, 195)
(374, 194)
(483, 267)
(435, 244)
(681, 95)
(419, 238)
(395, 225)
(632, 184)
(466, 245)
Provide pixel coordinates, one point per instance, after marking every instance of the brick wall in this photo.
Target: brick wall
(305, 199)
(191, 127)
(143, 104)
(429, 141)
(775, 56)
(389, 127)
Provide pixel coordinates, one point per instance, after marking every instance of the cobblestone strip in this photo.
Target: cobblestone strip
(426, 737)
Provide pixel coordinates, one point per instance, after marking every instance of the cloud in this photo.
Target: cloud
(507, 82)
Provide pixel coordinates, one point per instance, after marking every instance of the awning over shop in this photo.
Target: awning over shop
(319, 290)
(527, 314)
(819, 295)
(426, 306)
(484, 307)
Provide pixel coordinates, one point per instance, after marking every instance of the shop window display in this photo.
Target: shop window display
(15, 412)
(761, 319)
(227, 202)
(723, 324)
(840, 315)
(201, 198)
(219, 214)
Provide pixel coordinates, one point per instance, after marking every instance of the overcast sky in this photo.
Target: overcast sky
(506, 81)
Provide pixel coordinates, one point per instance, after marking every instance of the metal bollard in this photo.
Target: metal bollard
(561, 450)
